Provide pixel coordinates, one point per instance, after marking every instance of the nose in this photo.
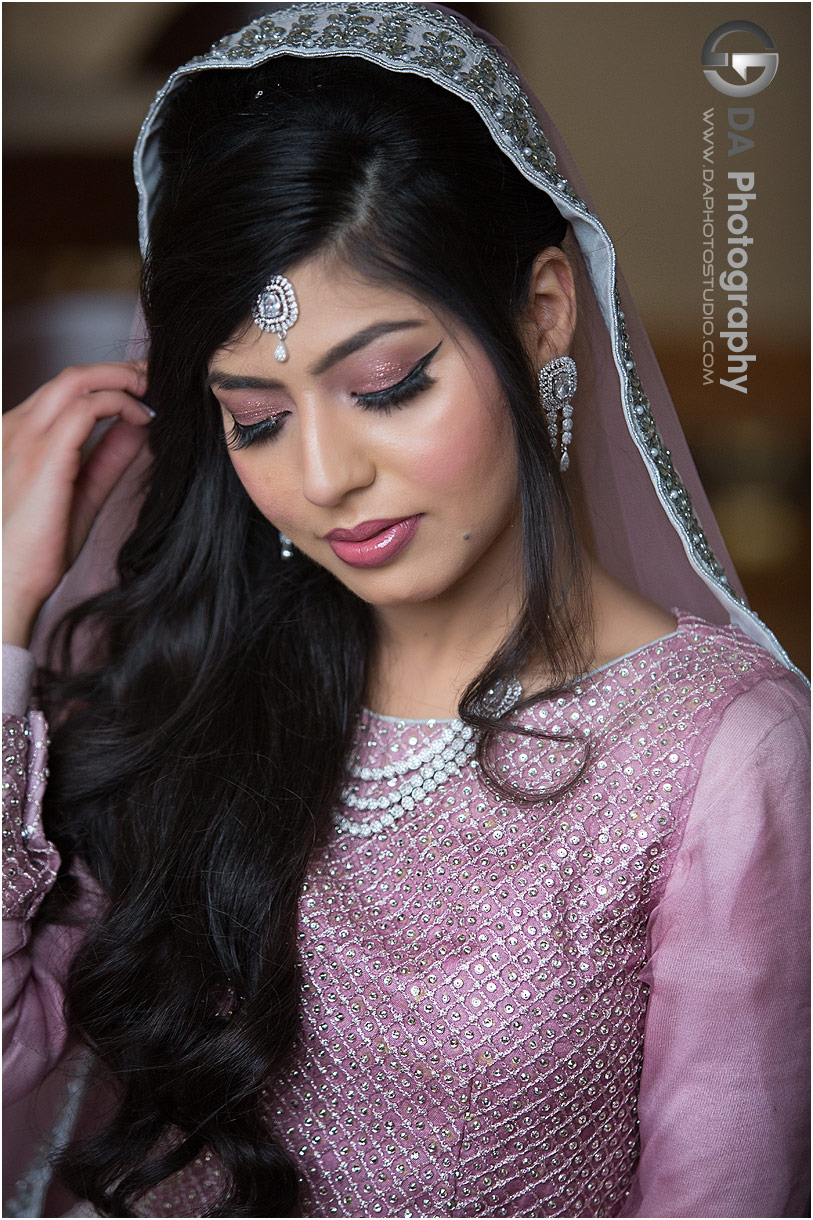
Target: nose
(336, 460)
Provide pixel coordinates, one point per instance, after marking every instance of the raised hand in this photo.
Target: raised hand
(51, 492)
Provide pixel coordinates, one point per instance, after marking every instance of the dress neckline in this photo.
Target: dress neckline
(430, 722)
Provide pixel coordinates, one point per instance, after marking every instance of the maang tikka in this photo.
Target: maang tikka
(558, 380)
(276, 310)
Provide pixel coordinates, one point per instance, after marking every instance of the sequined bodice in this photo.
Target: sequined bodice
(471, 984)
(473, 1018)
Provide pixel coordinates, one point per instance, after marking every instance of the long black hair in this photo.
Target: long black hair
(183, 762)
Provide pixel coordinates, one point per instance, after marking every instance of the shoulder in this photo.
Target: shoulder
(725, 666)
(743, 710)
(742, 728)
(694, 672)
(668, 701)
(752, 748)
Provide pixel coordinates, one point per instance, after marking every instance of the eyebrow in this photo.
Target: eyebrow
(340, 351)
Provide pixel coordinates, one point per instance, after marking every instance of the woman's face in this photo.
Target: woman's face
(382, 447)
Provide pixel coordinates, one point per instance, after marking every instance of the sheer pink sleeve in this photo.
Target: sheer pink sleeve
(725, 1076)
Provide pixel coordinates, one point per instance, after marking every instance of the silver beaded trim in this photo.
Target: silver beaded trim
(406, 37)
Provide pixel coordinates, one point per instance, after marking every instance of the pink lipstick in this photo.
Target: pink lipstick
(373, 542)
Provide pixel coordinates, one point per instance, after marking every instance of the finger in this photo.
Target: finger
(44, 469)
(44, 407)
(110, 459)
(75, 423)
(51, 461)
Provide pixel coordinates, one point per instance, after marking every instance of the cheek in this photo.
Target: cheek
(269, 493)
(472, 449)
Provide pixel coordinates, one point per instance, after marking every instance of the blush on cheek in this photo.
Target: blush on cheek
(469, 454)
(473, 439)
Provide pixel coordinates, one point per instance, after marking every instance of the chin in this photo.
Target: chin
(392, 586)
(392, 594)
(408, 579)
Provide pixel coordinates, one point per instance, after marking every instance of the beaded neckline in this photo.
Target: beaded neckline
(430, 723)
(401, 783)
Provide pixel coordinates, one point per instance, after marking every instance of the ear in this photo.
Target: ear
(551, 309)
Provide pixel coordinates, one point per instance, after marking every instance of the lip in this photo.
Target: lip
(373, 542)
(367, 529)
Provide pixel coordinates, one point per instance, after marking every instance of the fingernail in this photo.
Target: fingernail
(149, 410)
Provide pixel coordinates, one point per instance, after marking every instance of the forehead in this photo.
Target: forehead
(332, 303)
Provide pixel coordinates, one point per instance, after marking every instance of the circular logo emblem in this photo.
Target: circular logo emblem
(740, 61)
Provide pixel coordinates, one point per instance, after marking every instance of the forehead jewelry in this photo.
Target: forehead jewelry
(276, 310)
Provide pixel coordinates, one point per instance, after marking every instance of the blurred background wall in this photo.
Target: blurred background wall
(625, 86)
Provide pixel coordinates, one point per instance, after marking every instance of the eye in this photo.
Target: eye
(240, 436)
(416, 381)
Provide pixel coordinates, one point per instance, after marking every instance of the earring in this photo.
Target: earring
(558, 380)
(286, 547)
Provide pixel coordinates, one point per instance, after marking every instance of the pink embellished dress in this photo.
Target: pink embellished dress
(590, 1006)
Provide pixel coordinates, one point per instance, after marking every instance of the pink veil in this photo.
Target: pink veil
(646, 514)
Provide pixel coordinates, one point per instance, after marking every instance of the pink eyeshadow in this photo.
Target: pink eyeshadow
(252, 415)
(382, 375)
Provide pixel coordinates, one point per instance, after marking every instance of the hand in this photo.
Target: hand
(51, 494)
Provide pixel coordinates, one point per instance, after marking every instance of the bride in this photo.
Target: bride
(422, 829)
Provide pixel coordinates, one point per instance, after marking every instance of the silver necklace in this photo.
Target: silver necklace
(420, 774)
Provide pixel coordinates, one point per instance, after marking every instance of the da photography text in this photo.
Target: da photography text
(734, 67)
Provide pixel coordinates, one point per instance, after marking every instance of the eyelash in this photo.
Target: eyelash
(240, 436)
(416, 382)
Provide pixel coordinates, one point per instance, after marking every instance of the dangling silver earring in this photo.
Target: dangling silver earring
(558, 380)
(286, 547)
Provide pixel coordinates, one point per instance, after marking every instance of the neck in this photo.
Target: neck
(428, 652)
(426, 659)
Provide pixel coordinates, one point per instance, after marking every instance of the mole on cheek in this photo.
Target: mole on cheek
(466, 537)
